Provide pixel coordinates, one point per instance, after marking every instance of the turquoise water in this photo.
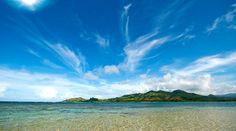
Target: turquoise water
(118, 116)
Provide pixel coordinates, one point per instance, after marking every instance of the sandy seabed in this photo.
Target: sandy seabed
(127, 119)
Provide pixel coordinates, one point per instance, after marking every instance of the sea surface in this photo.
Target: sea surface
(153, 116)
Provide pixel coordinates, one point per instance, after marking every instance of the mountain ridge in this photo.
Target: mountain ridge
(157, 96)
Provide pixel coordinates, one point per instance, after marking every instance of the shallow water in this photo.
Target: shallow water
(118, 116)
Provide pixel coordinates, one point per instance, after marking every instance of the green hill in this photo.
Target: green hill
(159, 96)
(79, 99)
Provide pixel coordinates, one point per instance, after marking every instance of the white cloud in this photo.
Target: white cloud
(3, 88)
(52, 87)
(111, 69)
(198, 84)
(202, 84)
(208, 63)
(137, 50)
(103, 42)
(45, 61)
(225, 19)
(34, 53)
(76, 61)
(125, 21)
(48, 93)
(73, 59)
(185, 35)
(90, 76)
(26, 85)
(229, 17)
(197, 76)
(214, 25)
(51, 64)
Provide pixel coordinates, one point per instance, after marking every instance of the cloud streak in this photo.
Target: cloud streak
(45, 61)
(208, 63)
(137, 50)
(51, 64)
(103, 42)
(125, 21)
(226, 19)
(75, 61)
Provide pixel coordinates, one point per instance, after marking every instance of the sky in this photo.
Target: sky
(51, 50)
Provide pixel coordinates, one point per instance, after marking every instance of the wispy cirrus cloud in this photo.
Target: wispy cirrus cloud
(205, 64)
(51, 64)
(74, 60)
(225, 20)
(125, 21)
(98, 38)
(45, 61)
(210, 63)
(34, 53)
(186, 34)
(102, 41)
(164, 19)
(137, 50)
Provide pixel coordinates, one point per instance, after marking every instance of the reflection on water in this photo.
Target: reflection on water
(118, 116)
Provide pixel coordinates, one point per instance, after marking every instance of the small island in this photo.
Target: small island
(159, 96)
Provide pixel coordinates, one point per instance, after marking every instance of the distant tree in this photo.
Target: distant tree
(93, 99)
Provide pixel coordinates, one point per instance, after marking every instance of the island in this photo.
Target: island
(158, 96)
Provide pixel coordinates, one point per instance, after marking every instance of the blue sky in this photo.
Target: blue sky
(51, 50)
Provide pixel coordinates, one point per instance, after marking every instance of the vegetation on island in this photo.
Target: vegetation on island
(157, 96)
(79, 99)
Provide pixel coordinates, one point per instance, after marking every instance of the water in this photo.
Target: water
(118, 116)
